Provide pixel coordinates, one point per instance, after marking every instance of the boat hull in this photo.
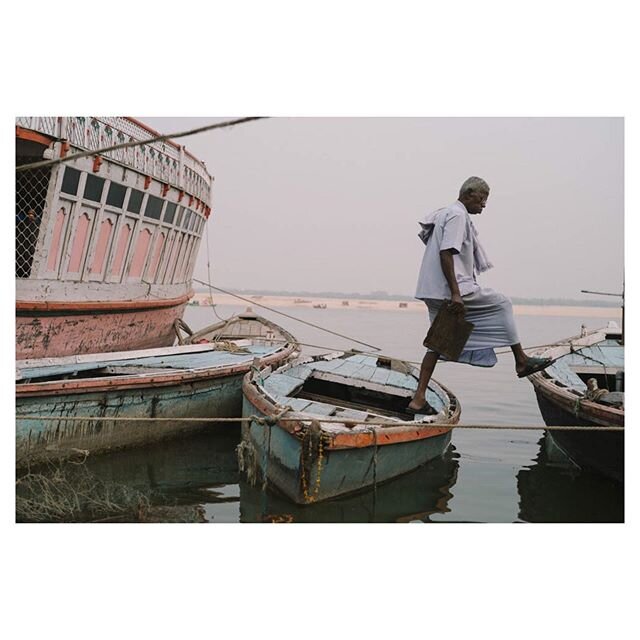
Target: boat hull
(46, 335)
(412, 496)
(40, 440)
(283, 459)
(599, 451)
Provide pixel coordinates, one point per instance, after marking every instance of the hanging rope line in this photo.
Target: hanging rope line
(213, 306)
(270, 421)
(136, 143)
(286, 315)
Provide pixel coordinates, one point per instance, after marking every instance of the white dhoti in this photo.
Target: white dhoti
(494, 326)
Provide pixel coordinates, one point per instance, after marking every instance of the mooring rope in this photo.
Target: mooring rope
(286, 315)
(280, 417)
(136, 143)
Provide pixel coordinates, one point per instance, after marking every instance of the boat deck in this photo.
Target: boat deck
(358, 371)
(603, 358)
(171, 359)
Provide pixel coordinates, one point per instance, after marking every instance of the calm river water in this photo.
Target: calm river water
(485, 476)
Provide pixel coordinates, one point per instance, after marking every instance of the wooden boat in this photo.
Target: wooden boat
(244, 326)
(565, 399)
(105, 244)
(413, 496)
(309, 457)
(193, 381)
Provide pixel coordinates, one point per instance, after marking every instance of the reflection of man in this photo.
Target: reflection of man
(452, 259)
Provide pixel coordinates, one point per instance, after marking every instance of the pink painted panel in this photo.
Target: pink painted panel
(156, 257)
(183, 251)
(121, 249)
(56, 240)
(101, 249)
(187, 259)
(140, 254)
(79, 243)
(174, 257)
(168, 252)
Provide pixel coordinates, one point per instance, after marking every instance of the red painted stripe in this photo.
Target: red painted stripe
(46, 305)
(34, 136)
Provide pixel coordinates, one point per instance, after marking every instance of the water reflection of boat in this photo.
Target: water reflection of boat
(568, 394)
(180, 470)
(414, 496)
(553, 489)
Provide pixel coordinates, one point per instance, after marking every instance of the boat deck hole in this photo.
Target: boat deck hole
(352, 396)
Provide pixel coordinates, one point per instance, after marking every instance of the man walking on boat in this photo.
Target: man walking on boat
(453, 258)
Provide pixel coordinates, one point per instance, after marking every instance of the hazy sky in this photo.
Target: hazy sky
(332, 204)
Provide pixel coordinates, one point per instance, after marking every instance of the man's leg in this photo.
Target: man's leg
(426, 370)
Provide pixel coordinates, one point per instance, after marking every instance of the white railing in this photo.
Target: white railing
(162, 160)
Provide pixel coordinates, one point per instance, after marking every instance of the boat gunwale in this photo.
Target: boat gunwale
(141, 380)
(576, 404)
(572, 400)
(291, 340)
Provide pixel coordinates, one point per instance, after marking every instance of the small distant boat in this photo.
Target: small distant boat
(320, 305)
(586, 387)
(185, 381)
(310, 459)
(402, 305)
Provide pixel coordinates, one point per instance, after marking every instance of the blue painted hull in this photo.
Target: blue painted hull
(40, 440)
(306, 479)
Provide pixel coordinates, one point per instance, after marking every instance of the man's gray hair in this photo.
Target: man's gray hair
(473, 184)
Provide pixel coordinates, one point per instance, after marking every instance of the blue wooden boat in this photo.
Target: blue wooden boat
(585, 386)
(315, 437)
(416, 495)
(194, 381)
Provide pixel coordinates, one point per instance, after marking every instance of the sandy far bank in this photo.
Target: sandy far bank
(395, 305)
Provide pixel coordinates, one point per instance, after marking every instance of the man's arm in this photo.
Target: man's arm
(446, 262)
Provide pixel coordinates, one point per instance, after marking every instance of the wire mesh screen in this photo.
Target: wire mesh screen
(31, 194)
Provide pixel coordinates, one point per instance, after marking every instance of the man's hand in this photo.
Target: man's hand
(456, 304)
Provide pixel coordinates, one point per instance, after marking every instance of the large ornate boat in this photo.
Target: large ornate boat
(105, 243)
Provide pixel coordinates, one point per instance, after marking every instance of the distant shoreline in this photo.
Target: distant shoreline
(401, 306)
(604, 302)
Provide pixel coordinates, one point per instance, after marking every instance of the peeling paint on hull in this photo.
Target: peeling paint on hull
(44, 336)
(41, 440)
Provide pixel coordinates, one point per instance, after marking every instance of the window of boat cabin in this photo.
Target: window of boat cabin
(154, 208)
(170, 212)
(115, 197)
(70, 181)
(93, 188)
(135, 201)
